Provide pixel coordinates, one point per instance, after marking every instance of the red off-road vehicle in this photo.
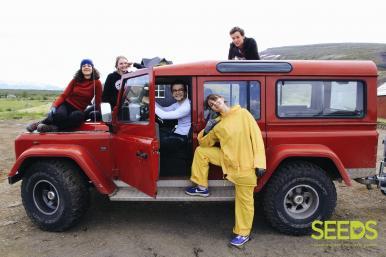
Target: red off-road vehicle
(318, 120)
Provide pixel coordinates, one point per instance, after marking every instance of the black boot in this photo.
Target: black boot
(47, 128)
(33, 126)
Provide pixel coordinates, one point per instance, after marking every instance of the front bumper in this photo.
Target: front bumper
(15, 178)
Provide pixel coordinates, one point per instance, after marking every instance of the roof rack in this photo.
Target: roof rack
(253, 66)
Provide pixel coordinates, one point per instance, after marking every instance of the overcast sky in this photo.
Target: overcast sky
(44, 41)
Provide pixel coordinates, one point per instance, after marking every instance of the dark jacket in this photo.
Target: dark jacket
(248, 51)
(111, 89)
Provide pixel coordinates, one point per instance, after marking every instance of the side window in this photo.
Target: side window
(244, 93)
(160, 91)
(135, 100)
(335, 99)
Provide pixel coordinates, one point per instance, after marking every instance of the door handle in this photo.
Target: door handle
(141, 155)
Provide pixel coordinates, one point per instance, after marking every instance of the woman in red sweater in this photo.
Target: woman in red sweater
(67, 111)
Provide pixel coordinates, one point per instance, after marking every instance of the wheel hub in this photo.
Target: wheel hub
(301, 201)
(51, 195)
(298, 199)
(45, 197)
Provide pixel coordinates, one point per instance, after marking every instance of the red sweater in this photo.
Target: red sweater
(80, 94)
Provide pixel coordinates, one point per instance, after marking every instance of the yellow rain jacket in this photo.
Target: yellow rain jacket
(241, 145)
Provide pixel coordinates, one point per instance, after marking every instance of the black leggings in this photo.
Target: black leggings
(171, 142)
(66, 117)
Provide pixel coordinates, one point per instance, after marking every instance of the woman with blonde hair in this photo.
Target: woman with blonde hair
(113, 81)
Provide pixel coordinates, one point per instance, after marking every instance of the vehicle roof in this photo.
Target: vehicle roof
(299, 67)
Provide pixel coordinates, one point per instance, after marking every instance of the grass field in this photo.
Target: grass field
(22, 104)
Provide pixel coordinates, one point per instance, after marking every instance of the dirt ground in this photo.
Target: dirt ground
(173, 229)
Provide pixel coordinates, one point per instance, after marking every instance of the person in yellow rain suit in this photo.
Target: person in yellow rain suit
(240, 154)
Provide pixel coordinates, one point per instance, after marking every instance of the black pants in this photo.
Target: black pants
(171, 142)
(66, 117)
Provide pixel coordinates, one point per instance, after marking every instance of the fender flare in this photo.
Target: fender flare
(76, 153)
(281, 152)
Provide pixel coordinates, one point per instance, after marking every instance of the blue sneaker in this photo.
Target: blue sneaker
(239, 240)
(197, 191)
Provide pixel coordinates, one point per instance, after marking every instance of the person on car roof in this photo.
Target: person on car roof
(242, 47)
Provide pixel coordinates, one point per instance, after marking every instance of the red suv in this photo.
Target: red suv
(318, 120)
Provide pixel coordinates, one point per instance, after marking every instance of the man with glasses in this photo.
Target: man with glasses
(180, 111)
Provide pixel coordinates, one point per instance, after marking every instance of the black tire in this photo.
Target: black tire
(54, 194)
(296, 195)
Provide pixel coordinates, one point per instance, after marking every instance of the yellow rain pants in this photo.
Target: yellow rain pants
(242, 150)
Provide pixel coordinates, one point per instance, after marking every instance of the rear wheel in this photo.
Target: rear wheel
(297, 194)
(54, 194)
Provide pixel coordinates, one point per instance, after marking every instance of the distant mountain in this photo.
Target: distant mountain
(341, 51)
(26, 85)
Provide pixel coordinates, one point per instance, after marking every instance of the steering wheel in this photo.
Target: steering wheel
(159, 120)
(144, 111)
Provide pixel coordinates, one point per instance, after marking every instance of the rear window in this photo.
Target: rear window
(324, 99)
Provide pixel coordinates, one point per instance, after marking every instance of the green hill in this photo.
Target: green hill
(341, 51)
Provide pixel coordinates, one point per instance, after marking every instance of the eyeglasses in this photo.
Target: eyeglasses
(178, 90)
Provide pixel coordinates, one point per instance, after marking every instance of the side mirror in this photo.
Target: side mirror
(106, 112)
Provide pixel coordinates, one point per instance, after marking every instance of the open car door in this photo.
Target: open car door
(135, 144)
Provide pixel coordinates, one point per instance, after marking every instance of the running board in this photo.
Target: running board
(179, 183)
(175, 191)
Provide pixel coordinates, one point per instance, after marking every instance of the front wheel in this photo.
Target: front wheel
(54, 194)
(297, 194)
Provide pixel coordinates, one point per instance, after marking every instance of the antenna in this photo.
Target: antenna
(93, 80)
